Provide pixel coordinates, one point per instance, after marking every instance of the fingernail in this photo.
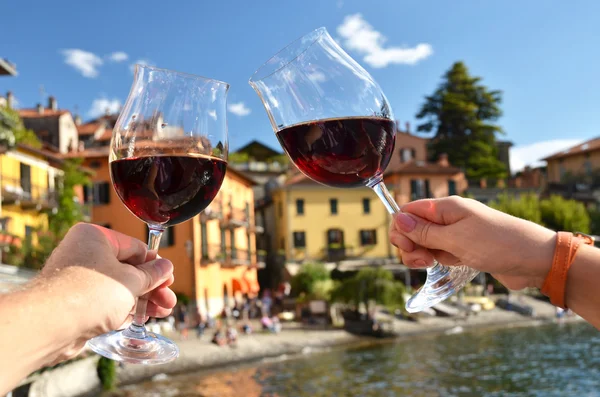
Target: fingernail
(419, 263)
(405, 222)
(164, 266)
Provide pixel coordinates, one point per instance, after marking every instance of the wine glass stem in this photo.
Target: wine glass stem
(139, 318)
(384, 195)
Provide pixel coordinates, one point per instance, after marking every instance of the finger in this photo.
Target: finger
(445, 258)
(125, 248)
(152, 310)
(146, 277)
(419, 258)
(401, 241)
(443, 211)
(420, 231)
(163, 297)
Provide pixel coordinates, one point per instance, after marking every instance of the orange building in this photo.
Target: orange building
(213, 253)
(411, 177)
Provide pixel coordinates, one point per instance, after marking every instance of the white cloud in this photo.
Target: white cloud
(118, 56)
(521, 156)
(358, 35)
(317, 77)
(239, 109)
(212, 114)
(102, 105)
(141, 62)
(87, 63)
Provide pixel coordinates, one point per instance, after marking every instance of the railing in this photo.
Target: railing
(235, 218)
(227, 257)
(27, 195)
(336, 254)
(213, 211)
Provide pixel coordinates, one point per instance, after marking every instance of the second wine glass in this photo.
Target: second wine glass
(336, 125)
(168, 159)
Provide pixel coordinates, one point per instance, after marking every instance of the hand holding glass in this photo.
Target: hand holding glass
(336, 125)
(167, 163)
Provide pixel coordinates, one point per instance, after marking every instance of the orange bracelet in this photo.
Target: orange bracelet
(555, 283)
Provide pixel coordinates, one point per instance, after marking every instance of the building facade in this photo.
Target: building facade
(214, 253)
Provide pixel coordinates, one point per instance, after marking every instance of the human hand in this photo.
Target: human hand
(101, 273)
(456, 231)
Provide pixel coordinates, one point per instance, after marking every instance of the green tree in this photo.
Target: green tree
(12, 130)
(371, 284)
(526, 207)
(561, 214)
(461, 114)
(69, 211)
(305, 281)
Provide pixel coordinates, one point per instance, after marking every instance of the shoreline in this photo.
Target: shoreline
(199, 355)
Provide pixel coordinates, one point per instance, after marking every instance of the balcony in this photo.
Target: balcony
(213, 211)
(28, 196)
(337, 253)
(235, 218)
(226, 257)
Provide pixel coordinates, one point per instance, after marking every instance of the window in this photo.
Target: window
(4, 223)
(451, 187)
(335, 237)
(333, 206)
(407, 154)
(204, 240)
(98, 193)
(223, 241)
(28, 233)
(232, 243)
(419, 189)
(299, 240)
(366, 206)
(368, 237)
(25, 178)
(168, 237)
(300, 207)
(249, 239)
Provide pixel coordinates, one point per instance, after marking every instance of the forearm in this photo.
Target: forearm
(36, 328)
(582, 291)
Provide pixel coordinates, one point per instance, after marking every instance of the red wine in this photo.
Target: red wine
(345, 152)
(166, 190)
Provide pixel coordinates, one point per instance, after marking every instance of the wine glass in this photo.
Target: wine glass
(168, 160)
(336, 125)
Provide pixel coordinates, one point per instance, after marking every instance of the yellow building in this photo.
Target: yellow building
(29, 180)
(214, 253)
(315, 222)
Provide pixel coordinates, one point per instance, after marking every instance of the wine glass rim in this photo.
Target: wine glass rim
(184, 74)
(317, 33)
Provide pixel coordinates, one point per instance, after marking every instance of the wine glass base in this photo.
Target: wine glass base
(151, 349)
(442, 282)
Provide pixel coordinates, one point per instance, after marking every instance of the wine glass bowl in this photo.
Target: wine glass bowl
(336, 125)
(168, 160)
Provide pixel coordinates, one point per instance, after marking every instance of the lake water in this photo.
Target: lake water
(552, 360)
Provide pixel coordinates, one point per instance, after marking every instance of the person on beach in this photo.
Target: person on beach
(87, 287)
(518, 253)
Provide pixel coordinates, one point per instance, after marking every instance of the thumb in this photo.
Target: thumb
(420, 231)
(150, 275)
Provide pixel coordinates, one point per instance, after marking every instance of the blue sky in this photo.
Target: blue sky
(544, 55)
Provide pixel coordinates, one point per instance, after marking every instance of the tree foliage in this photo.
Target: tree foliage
(69, 210)
(561, 214)
(527, 206)
(12, 130)
(307, 279)
(371, 284)
(555, 212)
(462, 113)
